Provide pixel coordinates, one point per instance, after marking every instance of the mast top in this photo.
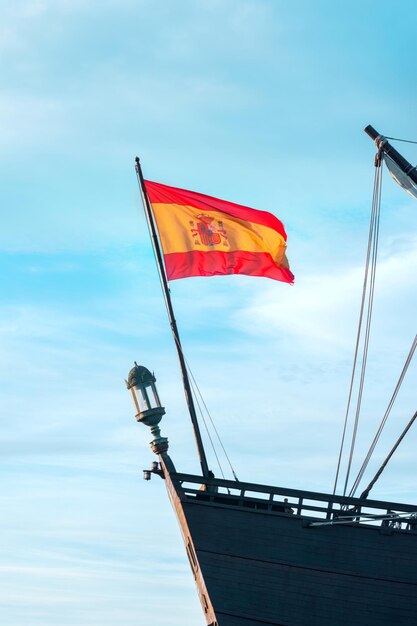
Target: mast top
(383, 144)
(370, 130)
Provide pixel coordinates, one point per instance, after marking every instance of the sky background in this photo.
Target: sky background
(259, 102)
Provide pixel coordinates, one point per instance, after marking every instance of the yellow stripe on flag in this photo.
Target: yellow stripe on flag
(185, 228)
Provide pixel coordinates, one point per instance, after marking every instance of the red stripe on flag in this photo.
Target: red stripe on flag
(183, 264)
(164, 194)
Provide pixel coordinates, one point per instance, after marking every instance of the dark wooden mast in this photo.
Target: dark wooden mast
(384, 145)
(172, 321)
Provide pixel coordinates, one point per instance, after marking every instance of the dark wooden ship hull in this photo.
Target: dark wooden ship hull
(259, 559)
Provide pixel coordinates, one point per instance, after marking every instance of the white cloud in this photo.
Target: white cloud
(321, 311)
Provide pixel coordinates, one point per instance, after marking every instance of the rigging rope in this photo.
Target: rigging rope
(404, 140)
(212, 422)
(384, 419)
(366, 304)
(206, 427)
(368, 321)
(195, 388)
(383, 466)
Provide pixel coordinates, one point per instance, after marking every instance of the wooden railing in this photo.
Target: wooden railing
(313, 506)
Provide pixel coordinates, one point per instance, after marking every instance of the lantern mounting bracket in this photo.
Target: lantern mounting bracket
(155, 469)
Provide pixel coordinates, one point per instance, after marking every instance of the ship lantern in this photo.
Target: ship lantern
(141, 384)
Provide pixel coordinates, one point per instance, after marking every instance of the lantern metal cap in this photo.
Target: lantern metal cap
(139, 374)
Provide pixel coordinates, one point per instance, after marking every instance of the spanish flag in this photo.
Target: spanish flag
(204, 236)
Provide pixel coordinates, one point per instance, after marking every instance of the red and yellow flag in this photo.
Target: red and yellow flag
(205, 236)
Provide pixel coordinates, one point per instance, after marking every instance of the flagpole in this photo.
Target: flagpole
(172, 321)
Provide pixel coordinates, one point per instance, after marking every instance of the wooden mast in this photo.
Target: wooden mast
(172, 321)
(384, 145)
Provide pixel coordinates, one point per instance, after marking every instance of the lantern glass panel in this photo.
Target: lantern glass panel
(143, 398)
(135, 399)
(154, 398)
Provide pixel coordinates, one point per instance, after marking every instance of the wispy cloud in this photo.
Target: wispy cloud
(321, 312)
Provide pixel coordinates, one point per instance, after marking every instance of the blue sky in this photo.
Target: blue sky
(258, 102)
